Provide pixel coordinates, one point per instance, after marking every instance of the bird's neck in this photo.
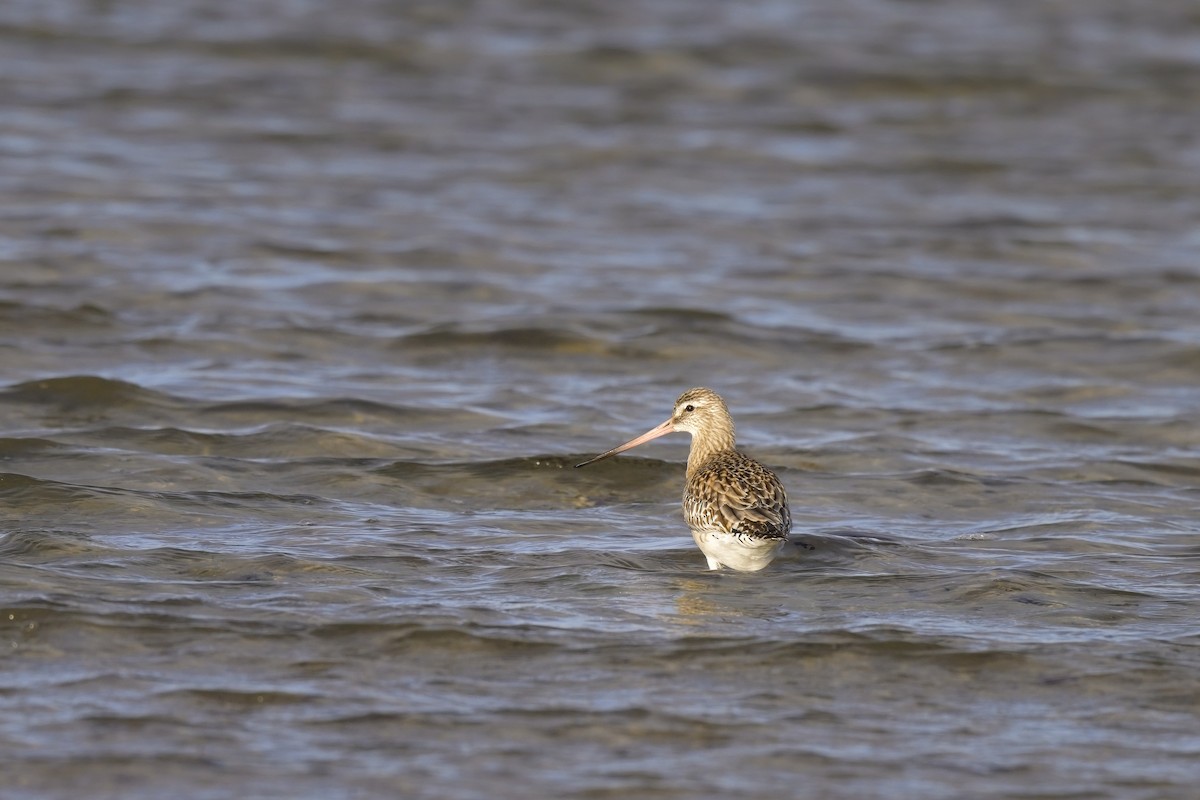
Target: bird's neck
(706, 446)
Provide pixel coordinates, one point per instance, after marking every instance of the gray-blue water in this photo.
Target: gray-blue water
(306, 309)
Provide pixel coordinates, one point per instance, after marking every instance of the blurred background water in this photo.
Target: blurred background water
(308, 307)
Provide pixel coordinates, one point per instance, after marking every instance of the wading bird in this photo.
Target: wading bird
(735, 506)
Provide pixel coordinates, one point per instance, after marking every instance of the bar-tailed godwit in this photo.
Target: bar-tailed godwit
(735, 506)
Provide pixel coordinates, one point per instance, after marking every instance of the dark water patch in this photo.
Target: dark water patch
(941, 477)
(100, 770)
(261, 443)
(37, 544)
(233, 501)
(23, 447)
(27, 490)
(1058, 524)
(1169, 473)
(523, 342)
(542, 482)
(383, 301)
(22, 320)
(135, 508)
(680, 318)
(430, 640)
(349, 412)
(71, 625)
(87, 399)
(85, 392)
(1062, 427)
(1071, 539)
(326, 251)
(810, 649)
(744, 340)
(229, 568)
(1104, 605)
(228, 699)
(829, 547)
(626, 469)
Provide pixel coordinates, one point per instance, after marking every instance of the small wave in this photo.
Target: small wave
(16, 447)
(532, 340)
(86, 392)
(346, 411)
(21, 317)
(540, 482)
(25, 489)
(235, 698)
(30, 544)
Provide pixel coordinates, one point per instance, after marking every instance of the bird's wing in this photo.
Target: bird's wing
(738, 495)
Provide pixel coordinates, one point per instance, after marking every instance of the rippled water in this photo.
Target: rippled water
(308, 308)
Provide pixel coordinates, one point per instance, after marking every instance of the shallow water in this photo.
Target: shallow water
(306, 314)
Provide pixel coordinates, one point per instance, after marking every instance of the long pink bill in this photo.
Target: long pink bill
(653, 433)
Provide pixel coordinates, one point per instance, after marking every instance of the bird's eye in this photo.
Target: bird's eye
(689, 407)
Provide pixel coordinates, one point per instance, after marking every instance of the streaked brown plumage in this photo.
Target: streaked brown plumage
(736, 508)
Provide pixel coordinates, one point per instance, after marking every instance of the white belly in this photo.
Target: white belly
(737, 553)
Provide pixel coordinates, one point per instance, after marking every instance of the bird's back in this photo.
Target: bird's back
(732, 493)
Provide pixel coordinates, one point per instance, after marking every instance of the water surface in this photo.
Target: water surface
(306, 312)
